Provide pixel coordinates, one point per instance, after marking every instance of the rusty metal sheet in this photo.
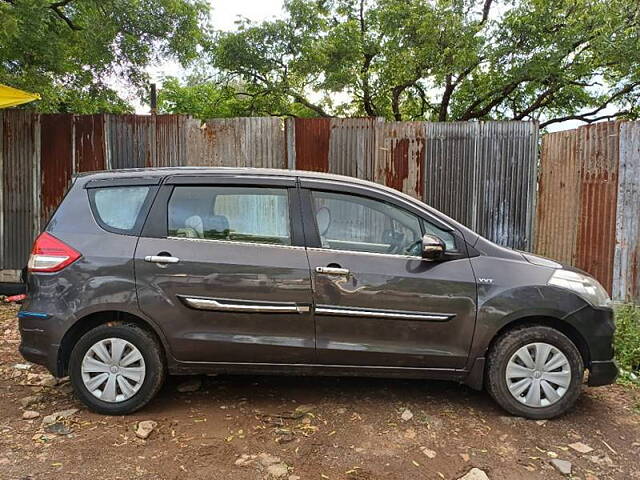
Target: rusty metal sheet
(626, 268)
(312, 144)
(20, 186)
(238, 142)
(56, 160)
(90, 147)
(558, 197)
(598, 171)
(576, 214)
(399, 161)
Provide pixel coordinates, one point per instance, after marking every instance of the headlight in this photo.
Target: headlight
(584, 285)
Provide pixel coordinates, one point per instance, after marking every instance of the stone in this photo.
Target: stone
(475, 474)
(192, 385)
(245, 460)
(144, 428)
(428, 452)
(30, 414)
(277, 470)
(293, 477)
(580, 447)
(406, 415)
(563, 466)
(465, 457)
(57, 416)
(58, 428)
(30, 400)
(273, 465)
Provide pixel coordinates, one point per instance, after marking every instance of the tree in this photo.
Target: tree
(70, 51)
(549, 60)
(205, 98)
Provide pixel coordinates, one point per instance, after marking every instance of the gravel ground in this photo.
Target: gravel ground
(251, 427)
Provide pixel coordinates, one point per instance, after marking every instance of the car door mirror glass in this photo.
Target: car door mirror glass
(433, 248)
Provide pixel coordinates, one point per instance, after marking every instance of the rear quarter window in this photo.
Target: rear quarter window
(119, 209)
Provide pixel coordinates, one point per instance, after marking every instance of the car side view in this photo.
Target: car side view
(144, 273)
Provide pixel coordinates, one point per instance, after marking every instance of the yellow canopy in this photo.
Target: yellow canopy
(10, 97)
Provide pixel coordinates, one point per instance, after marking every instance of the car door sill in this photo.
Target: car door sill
(316, 369)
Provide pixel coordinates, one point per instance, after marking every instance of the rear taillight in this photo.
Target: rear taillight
(50, 254)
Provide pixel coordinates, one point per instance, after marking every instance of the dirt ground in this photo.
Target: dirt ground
(305, 428)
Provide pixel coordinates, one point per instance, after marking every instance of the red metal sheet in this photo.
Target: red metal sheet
(89, 143)
(56, 140)
(596, 236)
(312, 143)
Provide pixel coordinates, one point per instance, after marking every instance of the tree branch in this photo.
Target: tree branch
(585, 116)
(57, 9)
(485, 11)
(367, 98)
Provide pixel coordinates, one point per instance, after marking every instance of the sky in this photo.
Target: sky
(223, 16)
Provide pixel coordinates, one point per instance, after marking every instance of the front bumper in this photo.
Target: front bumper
(597, 327)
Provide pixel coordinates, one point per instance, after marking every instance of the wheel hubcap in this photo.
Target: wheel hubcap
(113, 370)
(538, 375)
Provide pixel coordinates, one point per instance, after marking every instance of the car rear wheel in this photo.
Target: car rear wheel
(116, 369)
(535, 372)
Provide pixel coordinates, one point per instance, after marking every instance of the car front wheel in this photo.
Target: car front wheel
(535, 372)
(116, 369)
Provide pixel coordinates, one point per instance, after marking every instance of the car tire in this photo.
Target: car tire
(542, 399)
(149, 368)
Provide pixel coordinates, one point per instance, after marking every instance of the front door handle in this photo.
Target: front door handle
(161, 259)
(332, 270)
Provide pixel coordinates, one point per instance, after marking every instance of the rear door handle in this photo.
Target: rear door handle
(332, 270)
(161, 259)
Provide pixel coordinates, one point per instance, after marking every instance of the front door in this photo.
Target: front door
(222, 269)
(377, 302)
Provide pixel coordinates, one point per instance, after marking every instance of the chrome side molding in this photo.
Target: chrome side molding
(388, 314)
(228, 305)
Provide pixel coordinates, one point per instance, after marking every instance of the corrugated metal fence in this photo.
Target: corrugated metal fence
(588, 211)
(482, 174)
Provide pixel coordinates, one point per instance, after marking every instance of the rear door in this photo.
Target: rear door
(377, 302)
(221, 266)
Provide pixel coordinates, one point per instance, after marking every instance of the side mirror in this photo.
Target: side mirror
(433, 248)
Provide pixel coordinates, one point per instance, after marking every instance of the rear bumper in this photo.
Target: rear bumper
(602, 373)
(36, 344)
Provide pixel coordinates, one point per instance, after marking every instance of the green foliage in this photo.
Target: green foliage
(627, 342)
(205, 99)
(69, 51)
(441, 60)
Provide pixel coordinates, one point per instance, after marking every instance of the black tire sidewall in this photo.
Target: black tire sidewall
(504, 349)
(154, 374)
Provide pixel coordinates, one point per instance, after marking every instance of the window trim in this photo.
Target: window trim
(142, 214)
(313, 236)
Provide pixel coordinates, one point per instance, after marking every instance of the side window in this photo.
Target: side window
(350, 222)
(118, 208)
(243, 214)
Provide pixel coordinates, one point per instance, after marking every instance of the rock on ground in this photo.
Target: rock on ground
(57, 416)
(475, 474)
(145, 428)
(30, 414)
(563, 466)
